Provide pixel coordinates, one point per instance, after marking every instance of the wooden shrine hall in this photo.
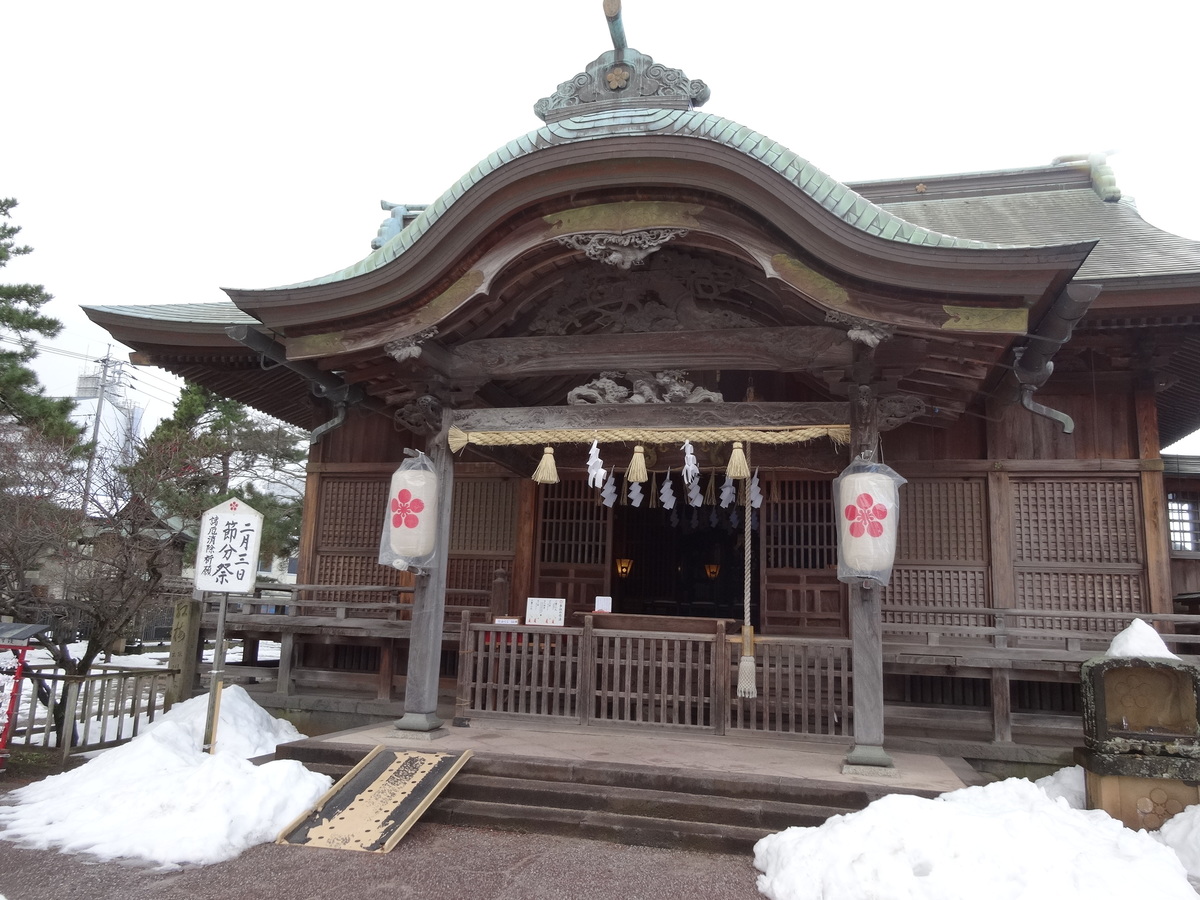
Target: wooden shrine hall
(635, 272)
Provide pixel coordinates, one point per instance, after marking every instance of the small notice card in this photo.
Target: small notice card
(545, 611)
(603, 604)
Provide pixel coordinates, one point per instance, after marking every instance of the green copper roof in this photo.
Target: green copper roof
(840, 200)
(219, 313)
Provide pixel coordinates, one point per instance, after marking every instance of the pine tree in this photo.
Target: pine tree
(223, 449)
(22, 398)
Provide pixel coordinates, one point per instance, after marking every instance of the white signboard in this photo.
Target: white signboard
(545, 611)
(603, 604)
(227, 555)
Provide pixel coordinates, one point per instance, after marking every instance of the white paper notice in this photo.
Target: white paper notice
(545, 611)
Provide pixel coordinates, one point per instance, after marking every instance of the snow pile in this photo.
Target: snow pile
(159, 798)
(1139, 639)
(1005, 840)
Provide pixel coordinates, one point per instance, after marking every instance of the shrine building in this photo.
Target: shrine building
(636, 274)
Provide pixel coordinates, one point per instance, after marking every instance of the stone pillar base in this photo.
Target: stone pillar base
(418, 722)
(870, 757)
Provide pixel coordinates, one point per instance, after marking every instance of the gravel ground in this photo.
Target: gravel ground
(433, 862)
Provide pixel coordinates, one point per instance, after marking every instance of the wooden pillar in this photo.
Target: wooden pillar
(866, 622)
(387, 669)
(287, 653)
(1003, 587)
(429, 601)
(1154, 504)
(185, 650)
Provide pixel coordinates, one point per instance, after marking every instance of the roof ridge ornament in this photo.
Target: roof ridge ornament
(616, 28)
(622, 77)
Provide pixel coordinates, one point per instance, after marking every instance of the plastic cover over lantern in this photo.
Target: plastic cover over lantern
(410, 518)
(867, 499)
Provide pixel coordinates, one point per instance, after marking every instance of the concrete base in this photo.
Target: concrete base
(870, 757)
(418, 722)
(871, 771)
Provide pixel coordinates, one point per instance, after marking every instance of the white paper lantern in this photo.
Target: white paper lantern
(412, 513)
(868, 515)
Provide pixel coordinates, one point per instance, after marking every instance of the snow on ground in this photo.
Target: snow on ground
(1012, 840)
(161, 799)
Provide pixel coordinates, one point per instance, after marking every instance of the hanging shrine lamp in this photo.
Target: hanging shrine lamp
(866, 497)
(410, 520)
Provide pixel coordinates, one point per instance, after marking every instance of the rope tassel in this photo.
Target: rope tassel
(738, 468)
(547, 472)
(746, 686)
(637, 466)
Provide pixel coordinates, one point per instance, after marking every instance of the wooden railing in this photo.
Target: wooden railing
(981, 635)
(1001, 644)
(272, 604)
(104, 708)
(667, 680)
(803, 688)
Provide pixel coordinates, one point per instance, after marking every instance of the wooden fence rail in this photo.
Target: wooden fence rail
(105, 708)
(995, 630)
(666, 680)
(804, 688)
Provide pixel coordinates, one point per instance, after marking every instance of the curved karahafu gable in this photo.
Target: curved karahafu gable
(669, 150)
(627, 127)
(626, 167)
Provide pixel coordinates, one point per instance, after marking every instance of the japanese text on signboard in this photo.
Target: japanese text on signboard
(227, 558)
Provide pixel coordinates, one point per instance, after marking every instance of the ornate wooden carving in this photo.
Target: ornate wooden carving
(790, 349)
(408, 347)
(894, 410)
(659, 415)
(864, 331)
(621, 250)
(421, 416)
(662, 387)
(673, 292)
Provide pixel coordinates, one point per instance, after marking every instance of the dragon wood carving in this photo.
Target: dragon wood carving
(669, 386)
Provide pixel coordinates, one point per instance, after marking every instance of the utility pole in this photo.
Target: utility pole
(91, 466)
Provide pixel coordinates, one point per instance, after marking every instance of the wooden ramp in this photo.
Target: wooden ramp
(377, 802)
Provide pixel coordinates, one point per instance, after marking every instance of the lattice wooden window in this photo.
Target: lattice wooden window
(800, 529)
(943, 522)
(1183, 516)
(484, 516)
(351, 511)
(957, 588)
(1076, 521)
(574, 525)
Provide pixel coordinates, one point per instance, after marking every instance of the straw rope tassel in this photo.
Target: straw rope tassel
(746, 687)
(738, 467)
(637, 465)
(547, 472)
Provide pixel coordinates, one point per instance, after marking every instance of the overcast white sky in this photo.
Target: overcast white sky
(160, 151)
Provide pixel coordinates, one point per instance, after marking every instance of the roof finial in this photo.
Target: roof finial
(616, 28)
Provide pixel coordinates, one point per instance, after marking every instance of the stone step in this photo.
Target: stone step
(655, 806)
(643, 831)
(773, 815)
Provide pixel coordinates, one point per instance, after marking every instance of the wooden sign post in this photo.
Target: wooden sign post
(226, 562)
